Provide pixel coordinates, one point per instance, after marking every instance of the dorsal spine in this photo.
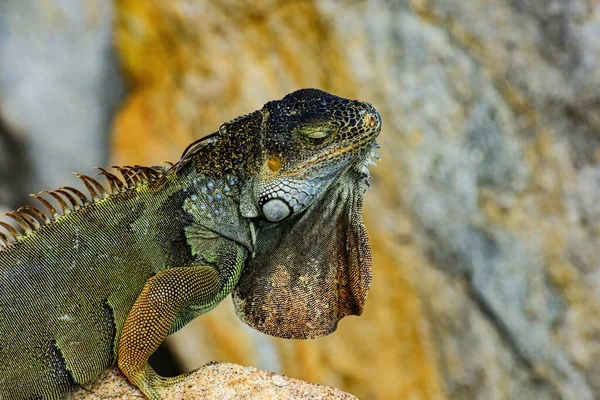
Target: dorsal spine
(31, 219)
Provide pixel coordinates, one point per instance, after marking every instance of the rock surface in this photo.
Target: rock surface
(221, 381)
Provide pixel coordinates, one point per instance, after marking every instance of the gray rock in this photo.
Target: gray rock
(59, 87)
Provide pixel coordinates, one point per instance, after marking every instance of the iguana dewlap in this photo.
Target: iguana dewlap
(267, 208)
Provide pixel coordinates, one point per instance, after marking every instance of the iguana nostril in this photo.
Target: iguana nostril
(275, 210)
(274, 163)
(370, 120)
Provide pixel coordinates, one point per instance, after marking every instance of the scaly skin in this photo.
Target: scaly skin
(268, 207)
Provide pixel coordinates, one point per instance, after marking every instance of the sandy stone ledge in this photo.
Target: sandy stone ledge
(219, 381)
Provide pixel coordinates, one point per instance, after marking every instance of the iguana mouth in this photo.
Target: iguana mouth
(339, 152)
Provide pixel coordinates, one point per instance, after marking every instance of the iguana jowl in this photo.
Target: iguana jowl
(268, 207)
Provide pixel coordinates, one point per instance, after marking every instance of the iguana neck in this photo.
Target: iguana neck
(214, 182)
(235, 150)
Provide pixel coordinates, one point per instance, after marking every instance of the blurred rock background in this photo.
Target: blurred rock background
(484, 217)
(60, 85)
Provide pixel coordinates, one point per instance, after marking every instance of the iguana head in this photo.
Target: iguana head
(312, 261)
(311, 139)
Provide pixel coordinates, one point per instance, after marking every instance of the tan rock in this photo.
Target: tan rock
(220, 381)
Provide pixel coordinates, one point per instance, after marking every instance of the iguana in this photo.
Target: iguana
(267, 208)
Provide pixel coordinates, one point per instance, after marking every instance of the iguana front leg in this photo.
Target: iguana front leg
(155, 312)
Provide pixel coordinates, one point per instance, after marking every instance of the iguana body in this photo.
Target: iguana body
(269, 205)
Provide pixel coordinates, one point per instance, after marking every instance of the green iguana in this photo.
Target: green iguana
(267, 208)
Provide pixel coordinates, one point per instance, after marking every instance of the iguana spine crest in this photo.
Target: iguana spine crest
(31, 219)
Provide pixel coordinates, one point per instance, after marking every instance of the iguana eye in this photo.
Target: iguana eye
(317, 134)
(316, 137)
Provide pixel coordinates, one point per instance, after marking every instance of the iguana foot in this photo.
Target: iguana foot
(147, 380)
